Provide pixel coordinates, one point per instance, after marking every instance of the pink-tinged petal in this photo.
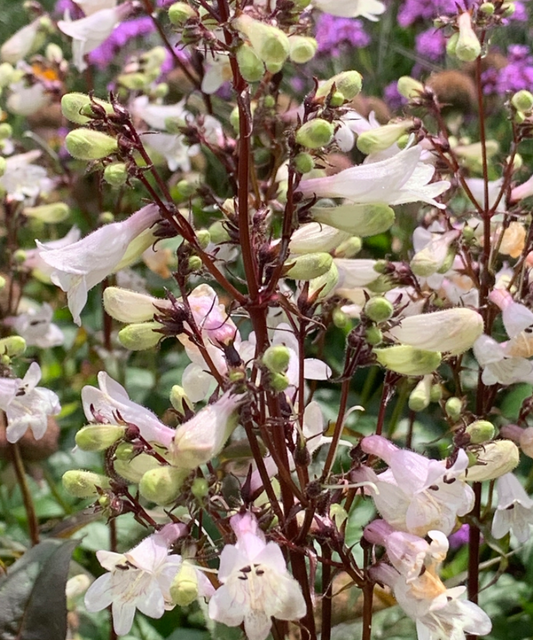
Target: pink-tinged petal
(100, 594)
(257, 625)
(410, 470)
(272, 557)
(380, 447)
(251, 546)
(123, 615)
(8, 391)
(231, 559)
(32, 377)
(149, 554)
(315, 369)
(151, 603)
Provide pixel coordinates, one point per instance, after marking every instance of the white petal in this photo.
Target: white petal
(100, 594)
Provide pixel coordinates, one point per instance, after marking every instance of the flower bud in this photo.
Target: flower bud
(420, 396)
(314, 237)
(361, 220)
(348, 83)
(53, 53)
(315, 133)
(184, 587)
(133, 81)
(278, 382)
(269, 43)
(487, 8)
(522, 101)
(340, 319)
(200, 488)
(349, 248)
(302, 49)
(161, 90)
(6, 74)
(454, 408)
(276, 358)
(132, 466)
(452, 44)
(468, 46)
(410, 88)
(180, 12)
(116, 174)
(436, 393)
(99, 437)
(140, 336)
(13, 346)
(374, 336)
(378, 309)
(49, 213)
(3, 282)
(321, 287)
(382, 138)
(162, 485)
(6, 131)
(77, 107)
(509, 9)
(308, 266)
(84, 484)
(203, 237)
(194, 263)
(179, 400)
(408, 360)
(76, 587)
(250, 64)
(480, 431)
(86, 144)
(3, 165)
(130, 306)
(494, 459)
(304, 162)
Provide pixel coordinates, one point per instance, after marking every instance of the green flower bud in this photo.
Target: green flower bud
(454, 408)
(522, 101)
(308, 266)
(361, 220)
(132, 467)
(49, 213)
(315, 133)
(13, 346)
(519, 117)
(3, 165)
(304, 162)
(194, 264)
(106, 217)
(84, 484)
(436, 393)
(86, 144)
(518, 162)
(410, 88)
(382, 138)
(187, 188)
(20, 256)
(179, 399)
(349, 248)
(184, 587)
(480, 431)
(3, 282)
(451, 45)
(420, 396)
(180, 12)
(6, 131)
(200, 488)
(99, 437)
(162, 485)
(276, 358)
(348, 83)
(133, 81)
(494, 459)
(203, 238)
(269, 43)
(468, 47)
(6, 74)
(321, 287)
(130, 306)
(140, 336)
(218, 232)
(378, 309)
(116, 174)
(340, 319)
(302, 49)
(250, 64)
(509, 9)
(487, 8)
(161, 90)
(407, 360)
(278, 382)
(374, 336)
(77, 107)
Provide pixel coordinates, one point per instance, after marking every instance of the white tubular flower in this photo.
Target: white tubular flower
(93, 6)
(155, 115)
(89, 32)
(21, 43)
(369, 9)
(417, 494)
(110, 404)
(452, 330)
(399, 179)
(37, 328)
(498, 367)
(355, 273)
(203, 437)
(139, 579)
(256, 585)
(33, 261)
(514, 511)
(171, 146)
(25, 101)
(218, 71)
(131, 306)
(314, 236)
(26, 405)
(22, 179)
(79, 267)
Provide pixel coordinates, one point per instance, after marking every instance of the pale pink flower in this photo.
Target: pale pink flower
(110, 404)
(256, 585)
(26, 405)
(36, 327)
(514, 511)
(80, 266)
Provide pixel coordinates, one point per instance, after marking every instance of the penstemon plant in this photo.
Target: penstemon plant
(295, 366)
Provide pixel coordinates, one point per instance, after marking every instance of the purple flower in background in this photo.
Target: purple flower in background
(333, 32)
(413, 10)
(393, 97)
(517, 75)
(120, 36)
(431, 44)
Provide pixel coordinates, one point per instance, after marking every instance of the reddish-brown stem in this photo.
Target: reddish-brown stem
(33, 523)
(327, 592)
(330, 459)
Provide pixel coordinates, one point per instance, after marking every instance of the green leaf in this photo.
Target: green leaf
(32, 594)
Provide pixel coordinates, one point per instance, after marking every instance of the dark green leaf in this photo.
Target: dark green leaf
(32, 594)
